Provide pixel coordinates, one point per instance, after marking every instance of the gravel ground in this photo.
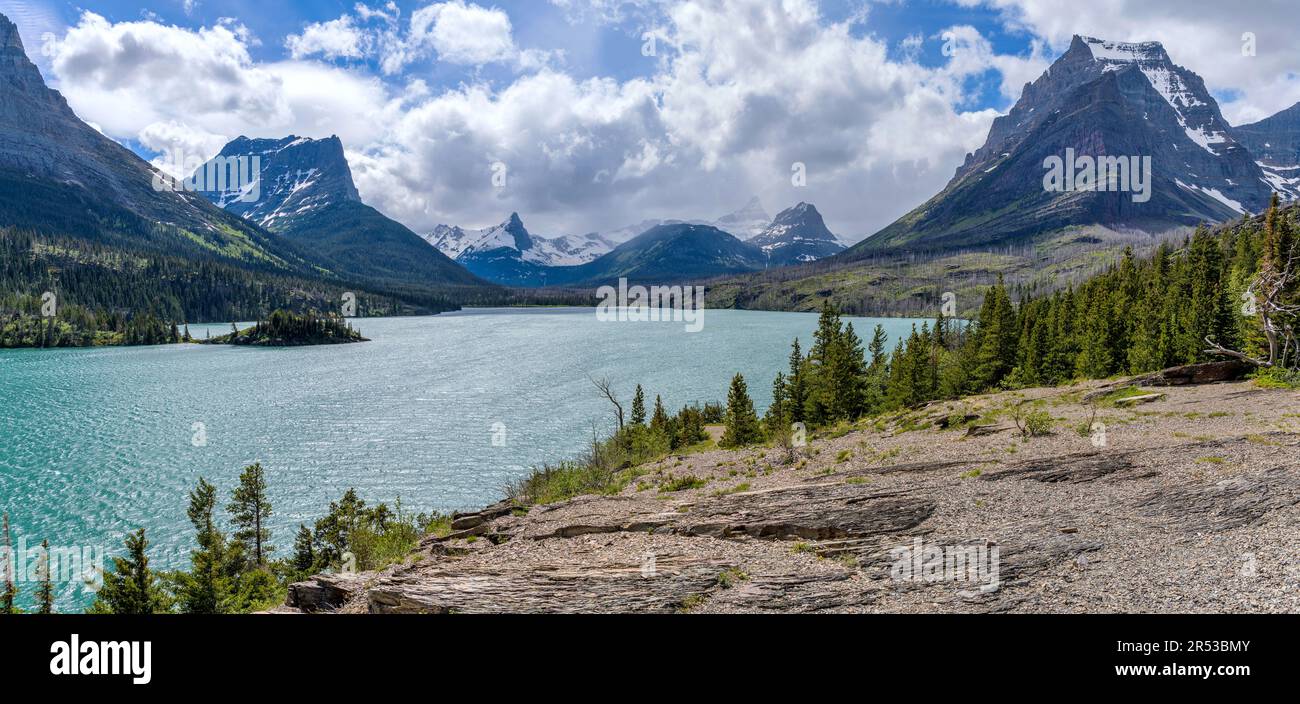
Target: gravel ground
(1190, 503)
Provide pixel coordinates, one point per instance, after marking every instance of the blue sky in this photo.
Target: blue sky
(429, 96)
(592, 47)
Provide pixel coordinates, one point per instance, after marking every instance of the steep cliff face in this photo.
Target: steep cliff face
(797, 235)
(304, 192)
(297, 175)
(1100, 99)
(60, 175)
(1275, 141)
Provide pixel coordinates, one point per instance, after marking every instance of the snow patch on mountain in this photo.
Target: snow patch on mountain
(1283, 179)
(1154, 63)
(1215, 194)
(512, 237)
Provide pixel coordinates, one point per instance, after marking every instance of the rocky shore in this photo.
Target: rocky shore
(1181, 498)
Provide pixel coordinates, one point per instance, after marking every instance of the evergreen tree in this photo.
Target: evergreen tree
(8, 558)
(821, 404)
(638, 407)
(796, 393)
(877, 372)
(659, 421)
(995, 339)
(742, 426)
(304, 551)
(334, 532)
(131, 588)
(846, 371)
(207, 588)
(249, 510)
(45, 591)
(776, 417)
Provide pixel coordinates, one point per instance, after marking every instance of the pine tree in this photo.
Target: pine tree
(207, 588)
(796, 392)
(659, 421)
(45, 591)
(742, 426)
(821, 404)
(995, 339)
(304, 551)
(776, 416)
(638, 407)
(131, 588)
(846, 371)
(8, 557)
(249, 510)
(877, 372)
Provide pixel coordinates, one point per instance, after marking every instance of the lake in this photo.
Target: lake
(98, 442)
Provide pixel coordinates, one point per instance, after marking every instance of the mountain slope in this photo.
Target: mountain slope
(746, 223)
(510, 255)
(1099, 99)
(306, 195)
(797, 235)
(60, 176)
(1275, 142)
(667, 253)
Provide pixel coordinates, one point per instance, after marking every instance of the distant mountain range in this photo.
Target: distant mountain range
(508, 254)
(306, 222)
(670, 251)
(1101, 99)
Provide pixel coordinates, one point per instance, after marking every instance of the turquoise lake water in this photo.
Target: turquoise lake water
(96, 443)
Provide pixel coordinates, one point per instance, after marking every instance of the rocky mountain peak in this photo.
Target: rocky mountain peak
(797, 234)
(9, 38)
(515, 228)
(18, 71)
(1121, 52)
(1275, 141)
(297, 174)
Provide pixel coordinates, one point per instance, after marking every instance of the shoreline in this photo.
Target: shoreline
(1181, 491)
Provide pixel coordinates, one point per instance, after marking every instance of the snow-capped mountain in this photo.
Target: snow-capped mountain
(743, 224)
(59, 174)
(509, 254)
(1275, 142)
(746, 223)
(797, 235)
(665, 254)
(1099, 99)
(565, 250)
(305, 193)
(298, 175)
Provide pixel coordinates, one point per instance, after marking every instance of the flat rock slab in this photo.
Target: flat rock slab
(811, 512)
(802, 512)
(1074, 468)
(1131, 401)
(1228, 504)
(570, 587)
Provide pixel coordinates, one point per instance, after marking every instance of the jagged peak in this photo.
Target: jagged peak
(1122, 52)
(9, 37)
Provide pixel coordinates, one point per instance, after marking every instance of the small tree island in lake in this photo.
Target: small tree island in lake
(287, 329)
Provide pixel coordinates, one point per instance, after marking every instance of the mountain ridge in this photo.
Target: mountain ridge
(1099, 99)
(306, 195)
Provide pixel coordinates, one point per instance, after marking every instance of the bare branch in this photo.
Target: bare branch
(603, 385)
(1216, 348)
